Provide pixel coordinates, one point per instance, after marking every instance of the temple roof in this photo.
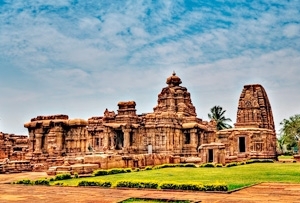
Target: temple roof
(173, 80)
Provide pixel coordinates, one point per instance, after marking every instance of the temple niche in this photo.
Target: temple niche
(254, 134)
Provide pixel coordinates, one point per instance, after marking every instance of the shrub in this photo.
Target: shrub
(190, 165)
(76, 175)
(133, 184)
(51, 179)
(95, 183)
(209, 165)
(219, 165)
(63, 176)
(25, 182)
(167, 166)
(148, 168)
(259, 161)
(194, 187)
(231, 164)
(100, 173)
(41, 182)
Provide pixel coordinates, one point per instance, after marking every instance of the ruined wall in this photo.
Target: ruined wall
(13, 147)
(52, 137)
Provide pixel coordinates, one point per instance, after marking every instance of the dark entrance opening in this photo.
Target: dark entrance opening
(130, 138)
(210, 155)
(187, 137)
(119, 140)
(242, 144)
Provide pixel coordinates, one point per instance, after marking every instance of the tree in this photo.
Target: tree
(217, 114)
(290, 131)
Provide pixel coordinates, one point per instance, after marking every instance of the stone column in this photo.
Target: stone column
(126, 137)
(193, 137)
(38, 143)
(31, 134)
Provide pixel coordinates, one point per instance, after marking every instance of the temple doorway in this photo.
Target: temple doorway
(242, 144)
(119, 140)
(210, 155)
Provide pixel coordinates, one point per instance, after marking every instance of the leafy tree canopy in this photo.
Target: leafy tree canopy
(217, 114)
(290, 131)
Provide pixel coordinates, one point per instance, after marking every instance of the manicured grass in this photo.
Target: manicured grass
(285, 157)
(234, 177)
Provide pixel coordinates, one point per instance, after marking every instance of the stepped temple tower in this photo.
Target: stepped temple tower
(254, 134)
(172, 128)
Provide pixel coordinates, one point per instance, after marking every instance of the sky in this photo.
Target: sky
(80, 57)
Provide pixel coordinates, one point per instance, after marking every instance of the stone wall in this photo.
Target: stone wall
(13, 147)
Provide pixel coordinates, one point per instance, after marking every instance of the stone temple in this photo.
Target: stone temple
(172, 133)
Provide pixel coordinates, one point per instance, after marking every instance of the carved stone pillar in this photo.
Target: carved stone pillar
(31, 139)
(126, 137)
(38, 143)
(193, 137)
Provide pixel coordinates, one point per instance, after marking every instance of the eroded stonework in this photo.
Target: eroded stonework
(172, 128)
(172, 133)
(254, 109)
(254, 134)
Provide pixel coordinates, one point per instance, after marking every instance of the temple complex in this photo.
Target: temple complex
(172, 133)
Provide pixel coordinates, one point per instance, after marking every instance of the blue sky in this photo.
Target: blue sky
(79, 57)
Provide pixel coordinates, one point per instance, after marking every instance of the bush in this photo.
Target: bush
(231, 164)
(208, 165)
(148, 168)
(133, 184)
(219, 165)
(95, 183)
(167, 166)
(63, 176)
(25, 182)
(76, 175)
(259, 161)
(102, 172)
(41, 182)
(194, 187)
(190, 165)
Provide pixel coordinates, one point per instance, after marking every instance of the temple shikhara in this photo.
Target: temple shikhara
(172, 133)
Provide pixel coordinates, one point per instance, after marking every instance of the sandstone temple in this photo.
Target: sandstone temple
(172, 133)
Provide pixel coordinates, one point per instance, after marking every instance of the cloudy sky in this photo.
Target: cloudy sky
(79, 57)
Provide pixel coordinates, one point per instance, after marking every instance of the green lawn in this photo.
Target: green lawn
(234, 177)
(285, 157)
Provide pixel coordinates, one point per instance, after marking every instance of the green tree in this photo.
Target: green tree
(290, 131)
(217, 114)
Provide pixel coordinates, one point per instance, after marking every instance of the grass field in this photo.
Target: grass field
(234, 177)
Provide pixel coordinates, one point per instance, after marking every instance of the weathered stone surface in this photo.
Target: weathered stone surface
(172, 128)
(254, 134)
(172, 133)
(254, 109)
(13, 147)
(52, 137)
